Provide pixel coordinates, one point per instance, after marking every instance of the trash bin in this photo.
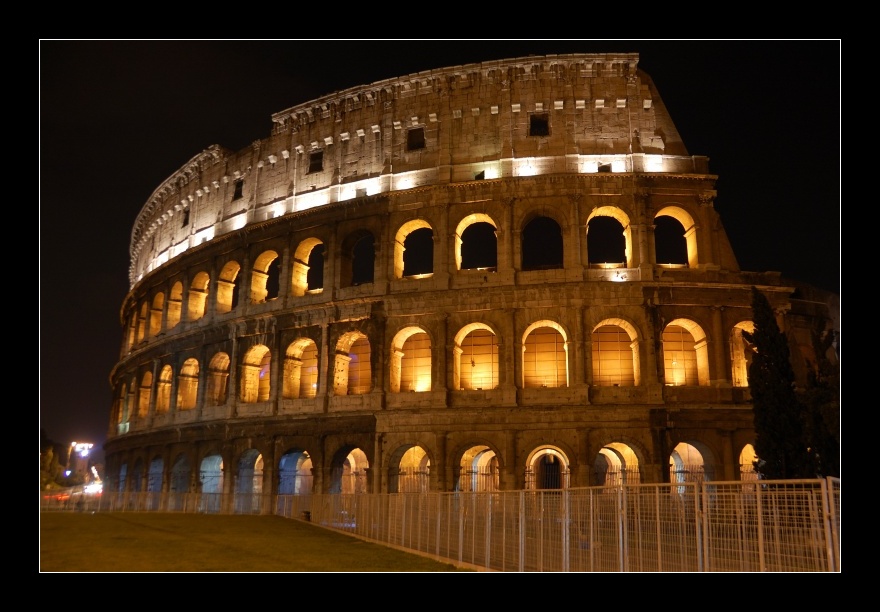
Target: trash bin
(306, 515)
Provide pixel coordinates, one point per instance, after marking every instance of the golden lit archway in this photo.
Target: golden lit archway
(478, 470)
(615, 354)
(460, 229)
(741, 351)
(300, 369)
(690, 230)
(547, 467)
(400, 254)
(175, 305)
(412, 472)
(301, 267)
(256, 375)
(227, 294)
(685, 354)
(218, 380)
(188, 384)
(410, 361)
(475, 358)
(198, 297)
(261, 275)
(621, 217)
(544, 355)
(616, 464)
(352, 373)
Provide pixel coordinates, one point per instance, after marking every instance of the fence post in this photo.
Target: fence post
(522, 531)
(566, 530)
(829, 515)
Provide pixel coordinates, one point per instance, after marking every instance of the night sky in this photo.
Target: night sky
(119, 117)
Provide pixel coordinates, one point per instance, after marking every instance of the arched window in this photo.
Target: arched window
(606, 242)
(479, 247)
(411, 361)
(198, 297)
(544, 357)
(142, 323)
(315, 276)
(188, 385)
(227, 289)
(414, 250)
(301, 369)
(614, 355)
(679, 356)
(132, 330)
(741, 351)
(675, 238)
(669, 241)
(685, 354)
(163, 390)
(144, 394)
(156, 314)
(359, 371)
(256, 375)
(121, 406)
(352, 372)
(476, 363)
(542, 244)
(307, 272)
(265, 277)
(175, 304)
(218, 379)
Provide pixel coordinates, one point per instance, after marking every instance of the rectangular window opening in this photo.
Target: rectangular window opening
(415, 139)
(239, 188)
(316, 161)
(539, 124)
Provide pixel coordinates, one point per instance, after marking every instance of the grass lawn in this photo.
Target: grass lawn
(157, 542)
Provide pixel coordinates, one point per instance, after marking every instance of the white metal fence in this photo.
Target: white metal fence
(758, 526)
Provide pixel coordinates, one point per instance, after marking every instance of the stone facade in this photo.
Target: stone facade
(402, 288)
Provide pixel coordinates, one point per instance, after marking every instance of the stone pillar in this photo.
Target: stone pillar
(377, 469)
(229, 477)
(442, 462)
(729, 462)
(582, 477)
(270, 483)
(720, 367)
(509, 480)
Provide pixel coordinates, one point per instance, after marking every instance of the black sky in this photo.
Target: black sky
(119, 117)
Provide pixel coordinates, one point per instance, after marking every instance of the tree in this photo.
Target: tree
(780, 446)
(821, 400)
(50, 469)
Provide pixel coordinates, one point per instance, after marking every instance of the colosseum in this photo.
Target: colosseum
(496, 276)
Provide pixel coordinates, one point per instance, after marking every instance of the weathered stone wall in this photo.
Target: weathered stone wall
(475, 119)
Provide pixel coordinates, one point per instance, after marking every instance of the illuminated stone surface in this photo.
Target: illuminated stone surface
(365, 295)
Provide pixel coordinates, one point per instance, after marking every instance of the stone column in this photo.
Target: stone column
(720, 367)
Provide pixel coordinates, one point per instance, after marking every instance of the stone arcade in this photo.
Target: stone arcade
(501, 275)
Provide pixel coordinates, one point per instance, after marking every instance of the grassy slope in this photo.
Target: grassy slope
(156, 542)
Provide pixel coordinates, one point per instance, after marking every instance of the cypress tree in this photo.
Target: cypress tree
(778, 414)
